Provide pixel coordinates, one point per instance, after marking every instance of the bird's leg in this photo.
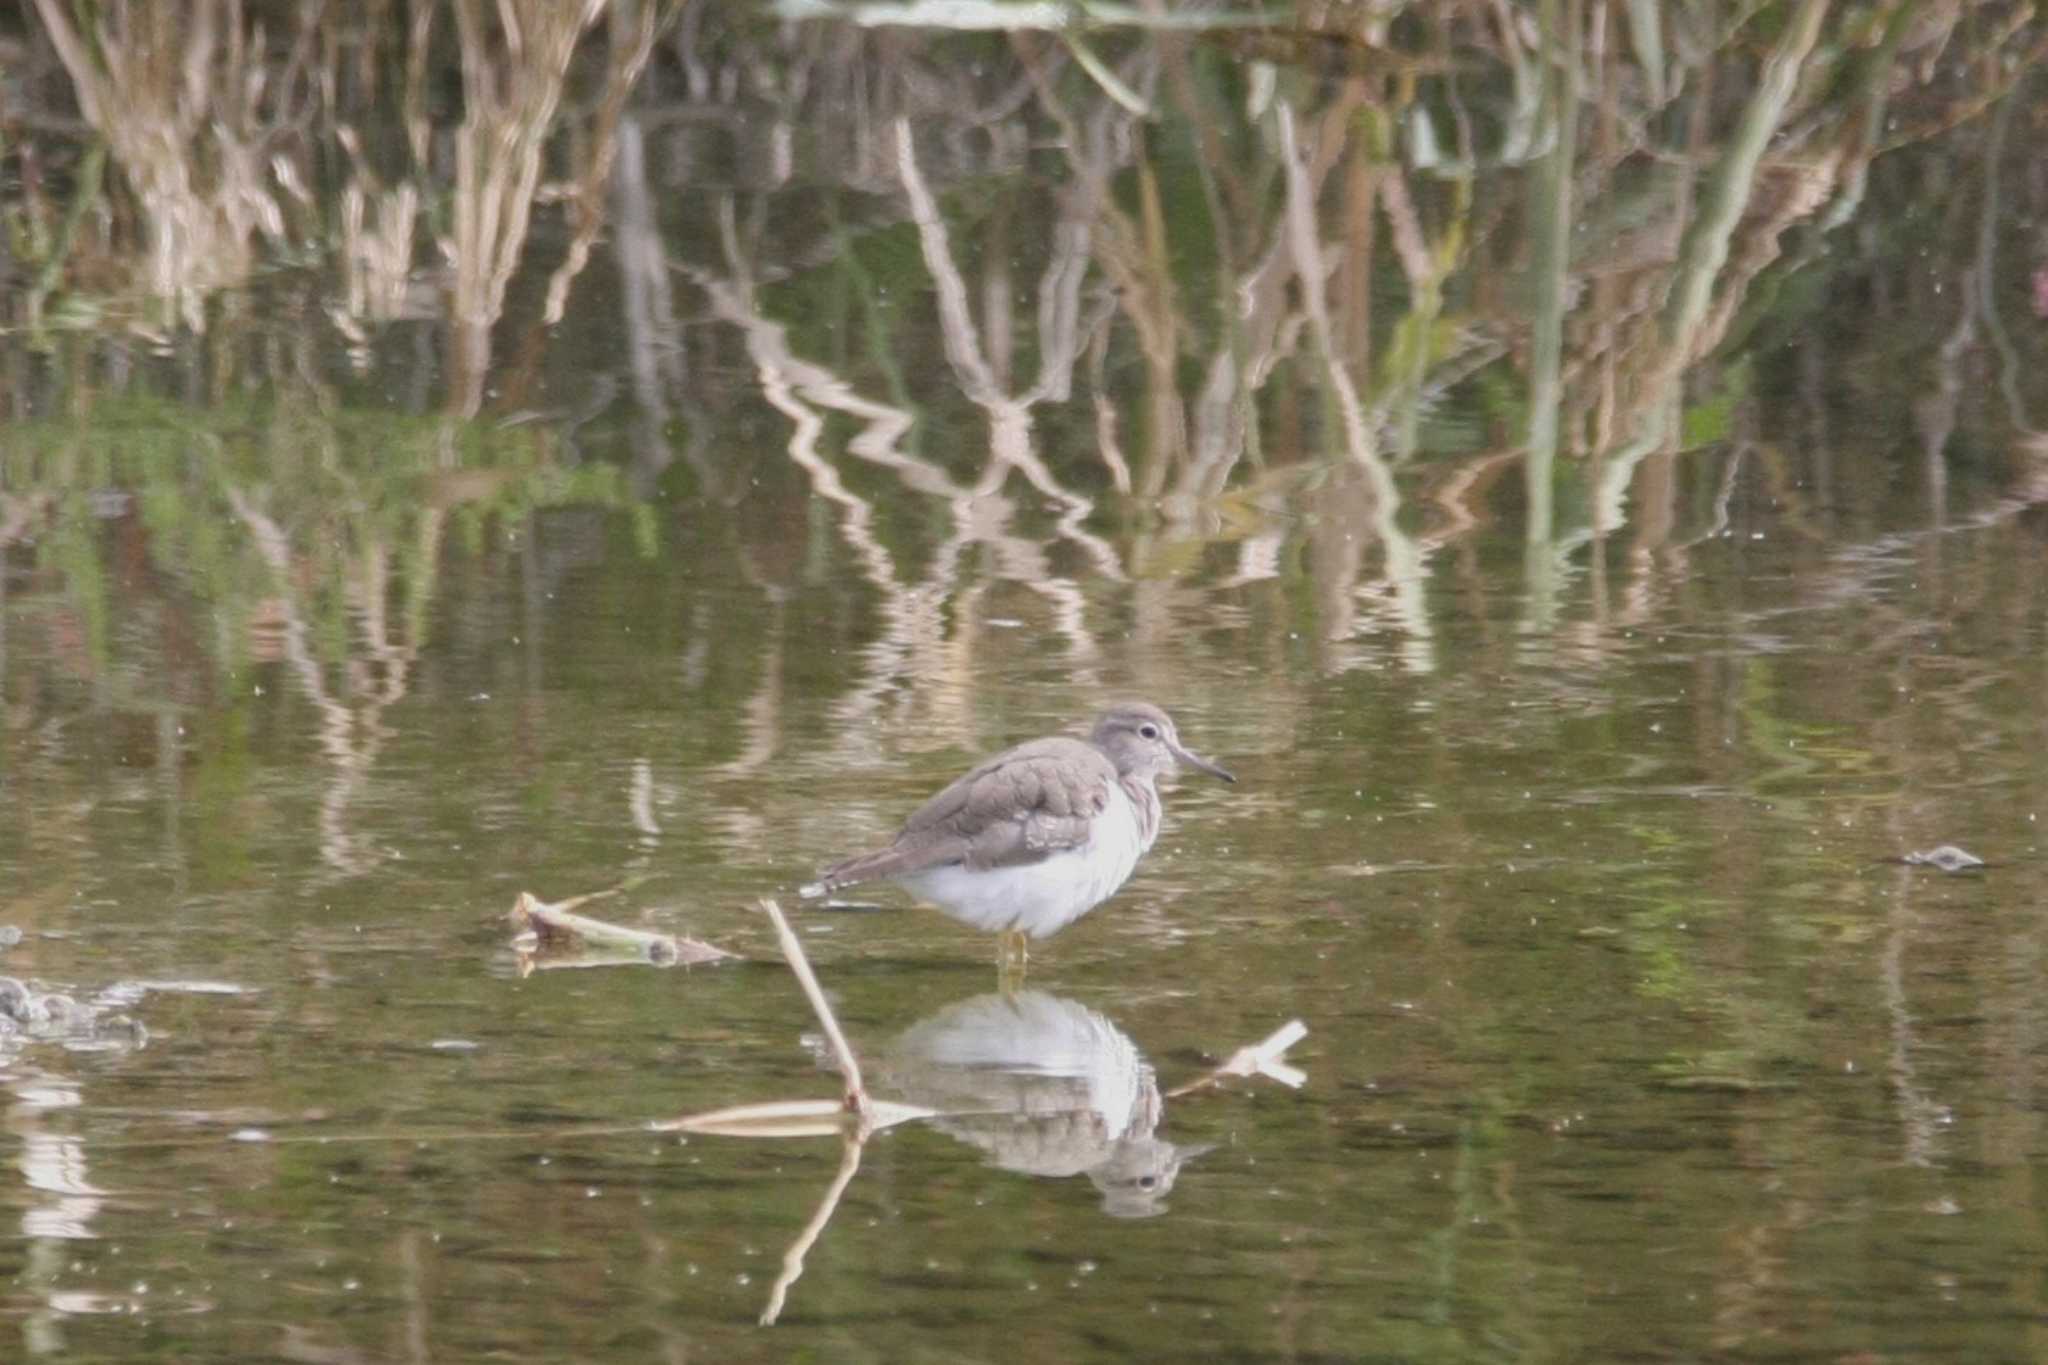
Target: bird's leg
(1012, 955)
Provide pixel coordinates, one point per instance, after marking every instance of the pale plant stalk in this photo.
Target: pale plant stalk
(510, 102)
(800, 965)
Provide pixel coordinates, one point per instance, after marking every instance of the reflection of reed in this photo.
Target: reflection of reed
(1404, 560)
(1919, 1115)
(1353, 226)
(512, 74)
(1311, 285)
(1269, 304)
(62, 1208)
(913, 641)
(350, 737)
(179, 92)
(377, 229)
(633, 26)
(1642, 340)
(654, 342)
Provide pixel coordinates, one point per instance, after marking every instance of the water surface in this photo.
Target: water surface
(1590, 650)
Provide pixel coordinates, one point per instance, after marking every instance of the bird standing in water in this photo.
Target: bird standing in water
(1036, 837)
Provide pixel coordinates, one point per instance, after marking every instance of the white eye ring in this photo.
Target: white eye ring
(1148, 731)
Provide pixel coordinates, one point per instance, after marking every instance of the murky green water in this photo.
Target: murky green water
(918, 397)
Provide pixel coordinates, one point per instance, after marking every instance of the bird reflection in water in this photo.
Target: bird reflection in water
(1044, 1086)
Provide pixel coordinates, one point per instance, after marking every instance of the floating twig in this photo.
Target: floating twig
(1947, 858)
(1260, 1059)
(556, 926)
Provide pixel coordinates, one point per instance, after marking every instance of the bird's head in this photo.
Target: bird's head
(1141, 740)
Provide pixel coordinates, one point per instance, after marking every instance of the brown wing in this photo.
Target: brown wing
(1019, 807)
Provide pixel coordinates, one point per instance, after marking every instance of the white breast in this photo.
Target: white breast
(1040, 898)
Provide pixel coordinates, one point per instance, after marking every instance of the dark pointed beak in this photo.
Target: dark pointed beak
(1195, 760)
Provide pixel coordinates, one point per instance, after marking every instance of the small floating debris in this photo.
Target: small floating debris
(28, 1015)
(131, 991)
(567, 939)
(1684, 1077)
(1266, 1059)
(836, 905)
(1946, 858)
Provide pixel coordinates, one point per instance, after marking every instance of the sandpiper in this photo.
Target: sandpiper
(1036, 837)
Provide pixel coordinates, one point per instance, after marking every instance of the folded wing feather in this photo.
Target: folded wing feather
(1021, 806)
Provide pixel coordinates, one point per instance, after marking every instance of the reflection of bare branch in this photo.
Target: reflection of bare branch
(640, 804)
(1260, 321)
(58, 1206)
(793, 1259)
(1551, 241)
(1010, 417)
(1405, 560)
(655, 352)
(1983, 292)
(797, 388)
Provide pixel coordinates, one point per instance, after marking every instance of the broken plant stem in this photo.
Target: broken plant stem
(849, 1069)
(557, 923)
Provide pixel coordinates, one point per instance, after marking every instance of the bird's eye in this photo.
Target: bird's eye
(1146, 1182)
(1148, 730)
